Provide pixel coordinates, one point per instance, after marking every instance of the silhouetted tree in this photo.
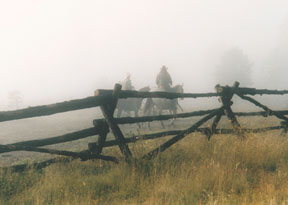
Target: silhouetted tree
(234, 66)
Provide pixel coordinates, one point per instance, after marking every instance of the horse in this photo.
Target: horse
(131, 104)
(160, 104)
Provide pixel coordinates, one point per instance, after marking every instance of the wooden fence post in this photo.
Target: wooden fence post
(212, 130)
(108, 111)
(96, 147)
(285, 129)
(226, 96)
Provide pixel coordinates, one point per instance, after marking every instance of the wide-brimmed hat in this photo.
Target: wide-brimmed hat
(164, 67)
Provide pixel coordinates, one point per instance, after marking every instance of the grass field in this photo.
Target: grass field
(224, 170)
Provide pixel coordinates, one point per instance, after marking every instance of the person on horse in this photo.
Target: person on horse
(127, 83)
(163, 79)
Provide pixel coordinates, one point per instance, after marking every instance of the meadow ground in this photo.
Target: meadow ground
(224, 170)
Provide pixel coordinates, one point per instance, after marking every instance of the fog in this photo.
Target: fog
(52, 51)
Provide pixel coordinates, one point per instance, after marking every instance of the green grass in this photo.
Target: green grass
(225, 170)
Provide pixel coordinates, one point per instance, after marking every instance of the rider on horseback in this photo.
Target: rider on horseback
(163, 79)
(127, 83)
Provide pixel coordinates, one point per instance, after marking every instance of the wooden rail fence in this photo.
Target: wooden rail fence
(107, 101)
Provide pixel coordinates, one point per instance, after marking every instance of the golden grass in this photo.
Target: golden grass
(225, 170)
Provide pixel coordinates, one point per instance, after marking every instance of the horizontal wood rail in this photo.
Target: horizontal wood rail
(105, 96)
(131, 120)
(83, 156)
(136, 138)
(254, 91)
(168, 95)
(51, 109)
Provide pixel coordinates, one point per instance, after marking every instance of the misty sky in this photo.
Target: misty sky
(52, 50)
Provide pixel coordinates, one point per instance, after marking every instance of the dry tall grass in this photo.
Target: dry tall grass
(225, 170)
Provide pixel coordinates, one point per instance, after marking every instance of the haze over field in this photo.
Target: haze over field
(60, 50)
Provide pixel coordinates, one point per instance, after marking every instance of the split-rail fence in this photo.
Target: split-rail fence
(107, 101)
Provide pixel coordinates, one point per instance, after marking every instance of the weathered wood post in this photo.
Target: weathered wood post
(212, 130)
(226, 96)
(96, 147)
(108, 111)
(285, 127)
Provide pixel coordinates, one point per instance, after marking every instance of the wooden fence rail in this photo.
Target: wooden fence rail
(105, 96)
(133, 120)
(136, 94)
(51, 109)
(136, 138)
(83, 156)
(100, 128)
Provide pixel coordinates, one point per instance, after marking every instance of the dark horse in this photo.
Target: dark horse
(131, 104)
(159, 105)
